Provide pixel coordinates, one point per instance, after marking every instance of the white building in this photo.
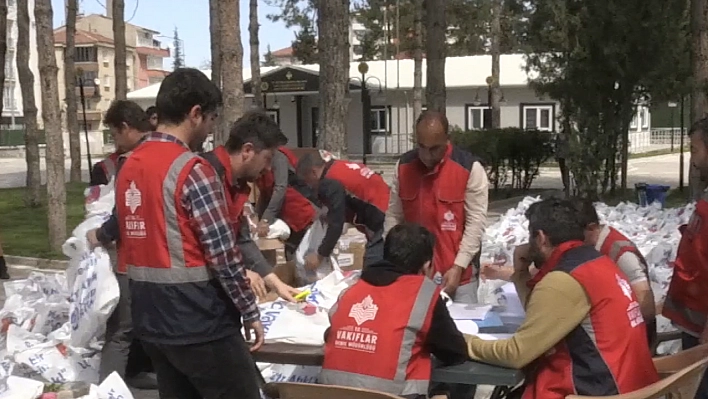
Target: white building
(292, 97)
(12, 93)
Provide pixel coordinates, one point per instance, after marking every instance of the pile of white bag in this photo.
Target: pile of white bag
(53, 323)
(652, 229)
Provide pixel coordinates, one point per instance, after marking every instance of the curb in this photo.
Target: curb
(38, 263)
(55, 264)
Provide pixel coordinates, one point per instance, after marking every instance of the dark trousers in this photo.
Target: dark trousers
(121, 353)
(689, 341)
(293, 242)
(565, 175)
(221, 369)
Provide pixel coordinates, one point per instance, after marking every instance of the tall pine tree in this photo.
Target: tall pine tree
(178, 56)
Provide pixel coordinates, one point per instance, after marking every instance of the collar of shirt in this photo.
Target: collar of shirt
(552, 261)
(436, 168)
(164, 137)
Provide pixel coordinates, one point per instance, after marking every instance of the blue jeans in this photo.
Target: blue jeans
(688, 341)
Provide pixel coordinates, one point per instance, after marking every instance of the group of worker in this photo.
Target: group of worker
(188, 267)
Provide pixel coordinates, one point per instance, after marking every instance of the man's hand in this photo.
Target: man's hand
(92, 238)
(283, 290)
(313, 261)
(491, 271)
(257, 284)
(451, 279)
(522, 262)
(256, 328)
(263, 228)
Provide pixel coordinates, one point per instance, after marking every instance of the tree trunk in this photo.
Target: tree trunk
(3, 43)
(56, 191)
(699, 100)
(333, 47)
(435, 52)
(495, 97)
(255, 55)
(33, 195)
(72, 124)
(119, 61)
(417, 59)
(231, 66)
(215, 42)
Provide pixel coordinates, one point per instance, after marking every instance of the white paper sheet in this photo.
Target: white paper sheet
(461, 311)
(494, 337)
(467, 327)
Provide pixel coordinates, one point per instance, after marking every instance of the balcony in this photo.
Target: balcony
(92, 115)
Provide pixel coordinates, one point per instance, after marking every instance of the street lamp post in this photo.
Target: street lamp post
(366, 107)
(681, 150)
(673, 106)
(96, 82)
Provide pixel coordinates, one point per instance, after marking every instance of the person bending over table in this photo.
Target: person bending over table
(584, 333)
(386, 326)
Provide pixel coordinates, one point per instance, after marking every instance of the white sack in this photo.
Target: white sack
(310, 243)
(278, 230)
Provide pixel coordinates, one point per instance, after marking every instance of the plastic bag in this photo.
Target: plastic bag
(94, 295)
(22, 388)
(310, 243)
(278, 230)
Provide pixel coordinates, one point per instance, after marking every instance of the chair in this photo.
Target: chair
(679, 385)
(292, 390)
(667, 365)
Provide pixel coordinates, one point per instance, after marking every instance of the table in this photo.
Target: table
(470, 373)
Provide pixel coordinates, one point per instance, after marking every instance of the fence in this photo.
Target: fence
(16, 137)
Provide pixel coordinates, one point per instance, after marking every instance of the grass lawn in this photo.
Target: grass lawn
(23, 231)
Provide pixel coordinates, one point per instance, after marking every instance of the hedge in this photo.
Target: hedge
(509, 153)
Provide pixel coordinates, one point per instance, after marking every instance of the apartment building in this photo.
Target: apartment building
(149, 52)
(94, 57)
(12, 113)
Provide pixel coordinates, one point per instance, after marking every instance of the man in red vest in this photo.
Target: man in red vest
(445, 189)
(187, 278)
(686, 304)
(386, 326)
(128, 125)
(584, 333)
(282, 194)
(121, 353)
(352, 193)
(246, 154)
(626, 255)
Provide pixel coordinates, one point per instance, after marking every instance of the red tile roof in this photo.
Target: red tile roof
(283, 52)
(82, 37)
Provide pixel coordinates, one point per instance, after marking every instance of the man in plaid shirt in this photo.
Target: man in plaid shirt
(188, 281)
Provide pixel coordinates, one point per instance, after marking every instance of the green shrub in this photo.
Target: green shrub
(509, 153)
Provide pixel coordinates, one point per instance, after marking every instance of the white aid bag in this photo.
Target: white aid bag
(291, 373)
(94, 295)
(278, 230)
(22, 388)
(310, 243)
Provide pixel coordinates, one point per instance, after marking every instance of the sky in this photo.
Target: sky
(191, 17)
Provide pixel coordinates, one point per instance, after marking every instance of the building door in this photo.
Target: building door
(315, 118)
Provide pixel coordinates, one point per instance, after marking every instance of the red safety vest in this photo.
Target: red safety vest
(237, 195)
(162, 251)
(608, 353)
(381, 351)
(365, 189)
(436, 200)
(297, 211)
(686, 303)
(617, 244)
(110, 165)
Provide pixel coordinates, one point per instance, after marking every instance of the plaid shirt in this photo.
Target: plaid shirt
(204, 201)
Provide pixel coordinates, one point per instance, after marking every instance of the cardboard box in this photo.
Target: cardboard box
(350, 250)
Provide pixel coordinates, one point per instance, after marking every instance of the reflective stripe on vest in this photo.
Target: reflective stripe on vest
(109, 167)
(399, 385)
(696, 318)
(178, 272)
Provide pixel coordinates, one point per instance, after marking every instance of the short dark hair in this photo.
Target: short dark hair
(557, 218)
(700, 127)
(431, 115)
(587, 214)
(150, 111)
(255, 128)
(409, 246)
(307, 162)
(128, 112)
(182, 90)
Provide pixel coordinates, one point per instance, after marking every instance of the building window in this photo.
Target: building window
(154, 63)
(9, 70)
(274, 115)
(7, 97)
(644, 116)
(87, 78)
(539, 117)
(478, 118)
(87, 126)
(379, 120)
(85, 54)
